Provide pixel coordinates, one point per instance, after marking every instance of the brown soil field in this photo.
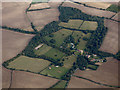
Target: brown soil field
(110, 42)
(81, 83)
(13, 15)
(107, 73)
(54, 4)
(43, 17)
(13, 43)
(39, 6)
(6, 77)
(116, 17)
(29, 80)
(90, 11)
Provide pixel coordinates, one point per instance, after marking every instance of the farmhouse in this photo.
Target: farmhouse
(36, 48)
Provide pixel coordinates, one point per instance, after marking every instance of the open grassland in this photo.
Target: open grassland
(81, 83)
(90, 11)
(59, 36)
(42, 50)
(43, 17)
(110, 42)
(30, 64)
(39, 6)
(13, 43)
(89, 25)
(61, 84)
(54, 53)
(73, 23)
(57, 72)
(15, 12)
(107, 73)
(30, 80)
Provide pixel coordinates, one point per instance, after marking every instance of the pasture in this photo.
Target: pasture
(27, 63)
(89, 25)
(59, 36)
(56, 72)
(72, 23)
(77, 35)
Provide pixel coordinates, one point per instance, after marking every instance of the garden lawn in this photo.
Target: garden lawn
(30, 64)
(89, 25)
(56, 72)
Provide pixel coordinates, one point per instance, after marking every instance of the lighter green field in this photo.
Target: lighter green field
(59, 36)
(89, 25)
(73, 23)
(27, 63)
(57, 72)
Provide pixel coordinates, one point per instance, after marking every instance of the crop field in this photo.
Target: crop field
(42, 50)
(30, 80)
(90, 11)
(11, 12)
(102, 5)
(39, 18)
(31, 64)
(110, 42)
(107, 73)
(59, 36)
(57, 72)
(81, 83)
(113, 8)
(54, 53)
(89, 25)
(61, 84)
(39, 6)
(13, 43)
(72, 23)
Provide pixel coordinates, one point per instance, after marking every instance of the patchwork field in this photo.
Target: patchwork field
(107, 73)
(13, 43)
(110, 43)
(39, 18)
(15, 13)
(89, 25)
(31, 64)
(90, 11)
(30, 80)
(39, 6)
(58, 36)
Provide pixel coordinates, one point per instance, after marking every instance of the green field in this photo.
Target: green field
(27, 63)
(59, 36)
(54, 53)
(69, 60)
(89, 25)
(73, 23)
(113, 8)
(57, 72)
(61, 84)
(42, 50)
(93, 67)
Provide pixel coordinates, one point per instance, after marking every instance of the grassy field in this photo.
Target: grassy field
(59, 36)
(77, 35)
(54, 53)
(61, 84)
(57, 72)
(113, 8)
(82, 44)
(73, 23)
(42, 50)
(93, 67)
(89, 25)
(31, 64)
